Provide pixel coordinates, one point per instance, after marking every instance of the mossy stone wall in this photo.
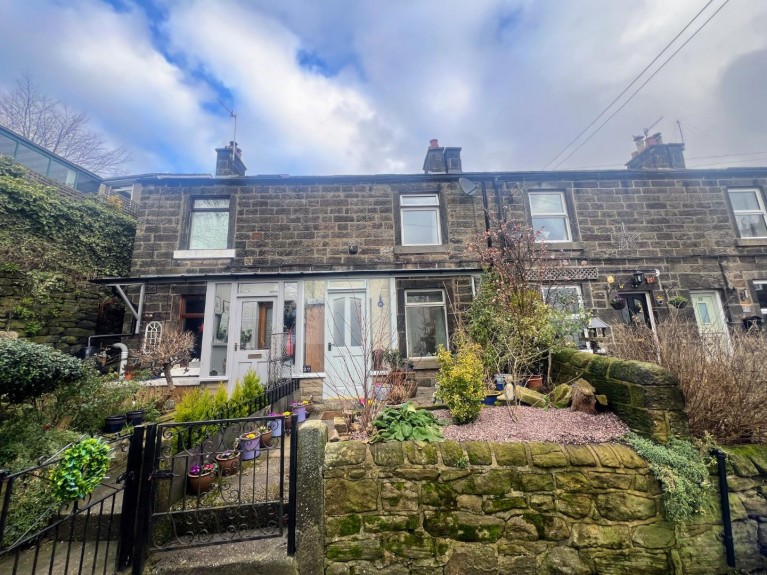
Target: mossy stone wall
(524, 508)
(645, 396)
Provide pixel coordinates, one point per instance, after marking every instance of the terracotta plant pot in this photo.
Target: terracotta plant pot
(535, 382)
(199, 484)
(266, 437)
(228, 466)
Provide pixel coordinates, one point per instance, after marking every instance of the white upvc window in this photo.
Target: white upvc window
(548, 211)
(209, 224)
(420, 220)
(750, 215)
(425, 322)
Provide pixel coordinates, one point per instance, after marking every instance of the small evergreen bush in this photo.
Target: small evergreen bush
(27, 370)
(681, 470)
(461, 382)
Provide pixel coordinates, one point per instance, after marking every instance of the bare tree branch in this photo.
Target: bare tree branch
(53, 126)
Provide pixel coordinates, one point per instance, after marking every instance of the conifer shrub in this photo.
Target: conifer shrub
(461, 382)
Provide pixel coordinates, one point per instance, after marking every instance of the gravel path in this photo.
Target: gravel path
(535, 424)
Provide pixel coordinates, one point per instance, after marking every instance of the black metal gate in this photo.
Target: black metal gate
(208, 483)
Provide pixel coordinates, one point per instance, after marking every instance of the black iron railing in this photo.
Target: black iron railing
(271, 395)
(214, 482)
(41, 535)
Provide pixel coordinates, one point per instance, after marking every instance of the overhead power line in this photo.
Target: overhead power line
(634, 81)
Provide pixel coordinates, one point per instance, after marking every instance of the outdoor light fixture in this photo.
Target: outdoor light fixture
(637, 278)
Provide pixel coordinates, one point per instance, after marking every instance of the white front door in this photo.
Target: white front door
(710, 318)
(252, 337)
(347, 338)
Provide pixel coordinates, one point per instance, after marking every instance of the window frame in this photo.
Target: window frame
(565, 214)
(193, 211)
(762, 211)
(435, 207)
(442, 304)
(763, 283)
(546, 290)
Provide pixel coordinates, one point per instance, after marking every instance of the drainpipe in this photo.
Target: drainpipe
(123, 358)
(485, 208)
(724, 500)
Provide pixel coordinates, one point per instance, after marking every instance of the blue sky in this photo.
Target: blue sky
(345, 87)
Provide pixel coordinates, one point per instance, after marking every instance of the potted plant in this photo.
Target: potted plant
(286, 416)
(300, 410)
(114, 423)
(618, 302)
(200, 478)
(275, 424)
(266, 435)
(228, 461)
(249, 444)
(135, 417)
(677, 301)
(534, 382)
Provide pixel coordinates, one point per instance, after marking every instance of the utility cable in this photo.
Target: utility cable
(626, 89)
(611, 116)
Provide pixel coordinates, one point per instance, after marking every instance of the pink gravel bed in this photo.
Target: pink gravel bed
(535, 424)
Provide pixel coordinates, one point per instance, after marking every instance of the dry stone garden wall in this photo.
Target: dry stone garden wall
(525, 508)
(645, 396)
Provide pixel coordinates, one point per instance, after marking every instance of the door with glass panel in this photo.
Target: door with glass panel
(253, 337)
(709, 316)
(347, 338)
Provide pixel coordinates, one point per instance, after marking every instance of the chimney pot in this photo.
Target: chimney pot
(434, 143)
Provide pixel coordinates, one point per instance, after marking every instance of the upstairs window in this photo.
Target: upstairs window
(548, 211)
(748, 207)
(420, 220)
(209, 224)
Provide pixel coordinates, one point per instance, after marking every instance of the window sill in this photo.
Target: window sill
(408, 250)
(202, 254)
(745, 242)
(564, 245)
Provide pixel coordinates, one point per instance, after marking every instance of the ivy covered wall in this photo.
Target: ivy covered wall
(52, 242)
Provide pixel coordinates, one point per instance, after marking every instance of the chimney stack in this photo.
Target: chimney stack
(442, 160)
(653, 154)
(229, 162)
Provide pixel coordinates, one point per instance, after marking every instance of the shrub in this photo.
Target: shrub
(724, 386)
(461, 382)
(27, 370)
(681, 470)
(25, 438)
(406, 423)
(252, 388)
(86, 402)
(194, 406)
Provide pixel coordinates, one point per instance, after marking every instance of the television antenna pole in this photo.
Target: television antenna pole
(233, 115)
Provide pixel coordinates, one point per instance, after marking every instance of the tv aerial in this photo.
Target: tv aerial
(469, 188)
(233, 115)
(655, 123)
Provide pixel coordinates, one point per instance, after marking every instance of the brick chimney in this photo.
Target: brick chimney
(442, 160)
(653, 154)
(229, 161)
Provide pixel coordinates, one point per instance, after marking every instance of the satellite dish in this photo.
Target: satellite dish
(467, 186)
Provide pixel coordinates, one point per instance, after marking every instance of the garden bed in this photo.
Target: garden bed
(535, 424)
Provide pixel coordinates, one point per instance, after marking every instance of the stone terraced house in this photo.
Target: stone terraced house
(308, 275)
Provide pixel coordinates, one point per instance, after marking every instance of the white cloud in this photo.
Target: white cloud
(510, 81)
